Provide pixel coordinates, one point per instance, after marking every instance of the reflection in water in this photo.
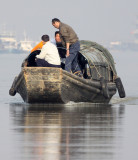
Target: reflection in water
(79, 131)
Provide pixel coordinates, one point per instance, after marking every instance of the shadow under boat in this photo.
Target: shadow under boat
(55, 85)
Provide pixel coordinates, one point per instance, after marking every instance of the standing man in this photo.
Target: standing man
(49, 56)
(69, 40)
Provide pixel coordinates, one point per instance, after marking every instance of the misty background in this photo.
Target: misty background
(101, 21)
(74, 131)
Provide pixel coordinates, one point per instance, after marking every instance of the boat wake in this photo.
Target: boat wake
(126, 100)
(114, 100)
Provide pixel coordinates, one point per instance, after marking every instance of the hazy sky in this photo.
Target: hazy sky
(97, 20)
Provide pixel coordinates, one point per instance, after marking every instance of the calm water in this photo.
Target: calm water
(73, 131)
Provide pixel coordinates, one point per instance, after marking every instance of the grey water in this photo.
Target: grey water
(75, 131)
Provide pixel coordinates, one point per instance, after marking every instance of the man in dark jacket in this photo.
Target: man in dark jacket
(69, 40)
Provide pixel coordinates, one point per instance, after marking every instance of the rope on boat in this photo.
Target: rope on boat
(96, 68)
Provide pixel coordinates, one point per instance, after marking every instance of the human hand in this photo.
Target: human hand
(67, 53)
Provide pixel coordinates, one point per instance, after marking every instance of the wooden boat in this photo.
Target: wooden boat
(55, 85)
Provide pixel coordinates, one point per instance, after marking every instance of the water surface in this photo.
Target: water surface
(73, 131)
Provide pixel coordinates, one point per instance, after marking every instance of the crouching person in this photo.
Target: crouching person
(49, 56)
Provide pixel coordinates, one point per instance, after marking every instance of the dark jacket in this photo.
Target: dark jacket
(67, 34)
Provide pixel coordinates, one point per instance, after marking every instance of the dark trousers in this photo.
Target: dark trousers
(71, 63)
(43, 63)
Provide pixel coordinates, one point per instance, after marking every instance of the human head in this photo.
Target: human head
(45, 38)
(56, 22)
(57, 37)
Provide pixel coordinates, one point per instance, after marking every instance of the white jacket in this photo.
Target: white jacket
(50, 54)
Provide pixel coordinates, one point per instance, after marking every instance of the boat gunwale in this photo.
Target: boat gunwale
(89, 82)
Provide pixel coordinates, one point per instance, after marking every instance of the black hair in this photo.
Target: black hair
(45, 38)
(57, 32)
(55, 20)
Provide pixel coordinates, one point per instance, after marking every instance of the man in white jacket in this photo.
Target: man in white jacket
(49, 56)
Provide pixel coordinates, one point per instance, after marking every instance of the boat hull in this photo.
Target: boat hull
(54, 85)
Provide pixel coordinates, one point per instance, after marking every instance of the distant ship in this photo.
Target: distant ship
(9, 44)
(132, 45)
(25, 45)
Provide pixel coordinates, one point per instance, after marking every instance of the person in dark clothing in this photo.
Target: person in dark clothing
(69, 40)
(61, 48)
